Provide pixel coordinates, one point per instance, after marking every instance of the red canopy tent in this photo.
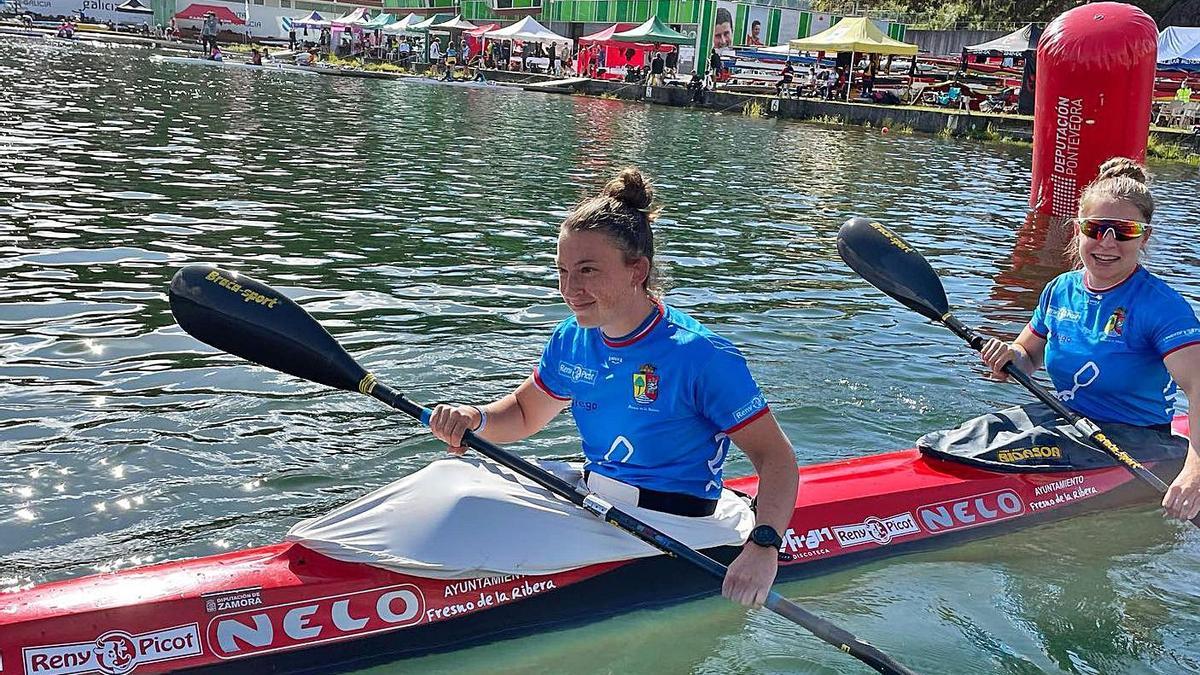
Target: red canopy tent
(480, 30)
(617, 55)
(474, 37)
(197, 11)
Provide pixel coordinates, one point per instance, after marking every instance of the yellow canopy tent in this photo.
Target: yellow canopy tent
(853, 34)
(857, 35)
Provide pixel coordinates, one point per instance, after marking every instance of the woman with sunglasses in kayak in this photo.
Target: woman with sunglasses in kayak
(1115, 336)
(657, 397)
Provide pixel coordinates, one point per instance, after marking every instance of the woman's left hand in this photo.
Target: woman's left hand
(749, 578)
(1182, 500)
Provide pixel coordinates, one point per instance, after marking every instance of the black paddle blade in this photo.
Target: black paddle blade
(239, 315)
(884, 259)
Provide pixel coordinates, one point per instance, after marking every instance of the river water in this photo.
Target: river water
(418, 224)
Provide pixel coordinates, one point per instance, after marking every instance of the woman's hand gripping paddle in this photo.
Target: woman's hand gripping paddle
(890, 264)
(239, 315)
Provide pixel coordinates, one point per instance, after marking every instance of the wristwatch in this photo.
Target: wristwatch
(766, 536)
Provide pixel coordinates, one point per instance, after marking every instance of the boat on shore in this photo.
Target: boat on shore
(285, 608)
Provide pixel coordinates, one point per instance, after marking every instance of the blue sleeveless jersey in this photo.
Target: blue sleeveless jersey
(653, 409)
(1105, 349)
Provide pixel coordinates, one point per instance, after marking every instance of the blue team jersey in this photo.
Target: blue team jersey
(654, 409)
(1105, 349)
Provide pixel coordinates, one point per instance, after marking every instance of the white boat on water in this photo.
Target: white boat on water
(268, 66)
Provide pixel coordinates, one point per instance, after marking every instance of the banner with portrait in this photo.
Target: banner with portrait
(754, 27)
(723, 26)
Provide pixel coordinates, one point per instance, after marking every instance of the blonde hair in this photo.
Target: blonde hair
(1120, 179)
(622, 211)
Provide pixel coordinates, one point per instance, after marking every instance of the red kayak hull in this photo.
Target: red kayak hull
(283, 608)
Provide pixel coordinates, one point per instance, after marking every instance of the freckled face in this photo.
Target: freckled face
(596, 282)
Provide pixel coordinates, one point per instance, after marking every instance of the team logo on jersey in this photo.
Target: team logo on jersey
(645, 384)
(1116, 322)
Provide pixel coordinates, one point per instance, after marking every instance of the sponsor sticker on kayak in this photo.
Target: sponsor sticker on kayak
(873, 530)
(801, 544)
(113, 653)
(1062, 491)
(224, 601)
(973, 511)
(308, 622)
(1036, 453)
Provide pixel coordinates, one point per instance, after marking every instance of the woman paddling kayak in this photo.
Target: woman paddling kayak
(1117, 341)
(657, 397)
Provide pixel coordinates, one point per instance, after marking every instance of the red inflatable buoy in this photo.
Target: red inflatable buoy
(1095, 82)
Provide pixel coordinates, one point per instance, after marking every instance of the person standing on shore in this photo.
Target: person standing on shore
(657, 67)
(208, 32)
(405, 52)
(714, 69)
(435, 55)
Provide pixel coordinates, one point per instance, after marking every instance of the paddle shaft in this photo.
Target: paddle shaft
(830, 633)
(1084, 425)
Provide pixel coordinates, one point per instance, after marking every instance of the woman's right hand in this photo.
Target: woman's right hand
(995, 354)
(449, 422)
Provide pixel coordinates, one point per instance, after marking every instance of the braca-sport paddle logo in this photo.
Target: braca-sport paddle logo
(645, 384)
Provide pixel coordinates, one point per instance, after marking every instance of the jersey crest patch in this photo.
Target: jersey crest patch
(1116, 323)
(645, 384)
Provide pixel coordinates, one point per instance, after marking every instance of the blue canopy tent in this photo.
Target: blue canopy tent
(1179, 49)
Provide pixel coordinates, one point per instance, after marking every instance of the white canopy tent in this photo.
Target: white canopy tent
(528, 30)
(424, 26)
(311, 20)
(356, 18)
(457, 23)
(403, 26)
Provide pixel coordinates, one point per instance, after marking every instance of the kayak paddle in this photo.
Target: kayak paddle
(890, 264)
(239, 315)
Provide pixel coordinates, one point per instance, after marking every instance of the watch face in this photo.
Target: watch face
(765, 535)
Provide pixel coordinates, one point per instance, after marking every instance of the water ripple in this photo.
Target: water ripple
(419, 223)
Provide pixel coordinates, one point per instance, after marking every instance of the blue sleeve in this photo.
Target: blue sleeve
(547, 376)
(726, 392)
(1175, 326)
(1037, 322)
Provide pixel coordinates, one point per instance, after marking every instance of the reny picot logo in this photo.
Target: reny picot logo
(113, 653)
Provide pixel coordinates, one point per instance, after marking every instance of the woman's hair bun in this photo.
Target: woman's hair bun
(1123, 167)
(632, 188)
